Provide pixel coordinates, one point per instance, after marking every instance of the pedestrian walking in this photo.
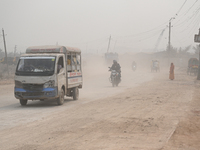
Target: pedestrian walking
(171, 72)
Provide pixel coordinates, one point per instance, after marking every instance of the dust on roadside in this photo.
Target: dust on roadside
(139, 118)
(135, 115)
(187, 134)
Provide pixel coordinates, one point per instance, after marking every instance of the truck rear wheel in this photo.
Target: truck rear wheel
(60, 100)
(75, 93)
(23, 102)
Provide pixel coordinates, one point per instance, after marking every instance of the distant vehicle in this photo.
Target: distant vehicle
(134, 66)
(193, 64)
(155, 66)
(48, 72)
(109, 57)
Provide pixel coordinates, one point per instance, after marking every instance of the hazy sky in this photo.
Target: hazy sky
(134, 25)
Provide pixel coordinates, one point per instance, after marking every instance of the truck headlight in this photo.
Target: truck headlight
(50, 83)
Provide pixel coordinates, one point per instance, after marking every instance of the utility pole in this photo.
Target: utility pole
(197, 39)
(169, 40)
(5, 51)
(109, 44)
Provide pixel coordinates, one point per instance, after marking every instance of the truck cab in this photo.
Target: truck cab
(48, 72)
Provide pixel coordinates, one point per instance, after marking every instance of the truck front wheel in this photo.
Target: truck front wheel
(75, 93)
(60, 100)
(23, 102)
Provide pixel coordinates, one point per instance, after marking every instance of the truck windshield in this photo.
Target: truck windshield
(35, 66)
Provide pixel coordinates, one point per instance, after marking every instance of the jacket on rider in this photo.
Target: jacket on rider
(116, 67)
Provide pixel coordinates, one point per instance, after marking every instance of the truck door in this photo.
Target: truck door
(61, 73)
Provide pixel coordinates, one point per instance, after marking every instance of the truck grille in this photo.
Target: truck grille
(33, 87)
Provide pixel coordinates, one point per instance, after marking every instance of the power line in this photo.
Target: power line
(181, 7)
(141, 39)
(191, 7)
(148, 34)
(189, 18)
(139, 34)
(190, 34)
(184, 14)
(192, 29)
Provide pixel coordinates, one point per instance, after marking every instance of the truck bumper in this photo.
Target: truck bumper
(45, 93)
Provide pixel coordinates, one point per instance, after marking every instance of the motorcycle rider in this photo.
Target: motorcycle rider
(117, 67)
(134, 65)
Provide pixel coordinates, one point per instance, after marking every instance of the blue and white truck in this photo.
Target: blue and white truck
(48, 72)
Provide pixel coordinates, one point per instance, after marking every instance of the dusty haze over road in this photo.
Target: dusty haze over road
(146, 112)
(134, 25)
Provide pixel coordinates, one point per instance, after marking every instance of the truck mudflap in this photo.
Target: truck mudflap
(45, 93)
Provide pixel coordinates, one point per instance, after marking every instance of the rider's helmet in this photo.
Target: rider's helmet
(114, 61)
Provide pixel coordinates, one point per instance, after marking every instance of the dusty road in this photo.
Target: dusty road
(146, 112)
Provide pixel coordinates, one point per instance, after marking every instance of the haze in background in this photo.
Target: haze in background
(134, 25)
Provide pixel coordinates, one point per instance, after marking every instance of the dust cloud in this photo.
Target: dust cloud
(146, 108)
(96, 64)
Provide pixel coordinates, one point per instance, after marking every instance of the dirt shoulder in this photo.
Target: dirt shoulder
(187, 134)
(6, 81)
(150, 116)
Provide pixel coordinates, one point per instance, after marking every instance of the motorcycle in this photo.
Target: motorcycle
(114, 77)
(134, 67)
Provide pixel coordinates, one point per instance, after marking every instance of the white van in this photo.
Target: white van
(48, 72)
